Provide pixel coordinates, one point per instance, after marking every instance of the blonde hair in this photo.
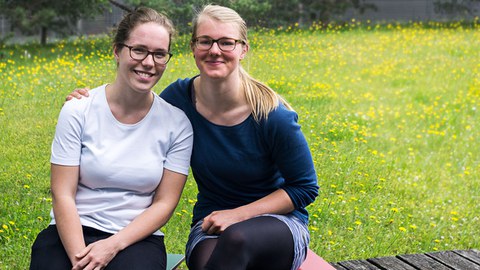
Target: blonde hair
(261, 98)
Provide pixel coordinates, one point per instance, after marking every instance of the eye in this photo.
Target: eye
(204, 41)
(139, 50)
(160, 54)
(227, 42)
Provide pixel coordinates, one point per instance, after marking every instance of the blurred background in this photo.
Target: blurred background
(47, 20)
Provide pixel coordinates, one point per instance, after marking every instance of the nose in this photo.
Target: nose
(149, 60)
(215, 49)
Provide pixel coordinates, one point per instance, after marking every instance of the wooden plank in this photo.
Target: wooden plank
(422, 261)
(454, 260)
(338, 266)
(390, 263)
(472, 254)
(358, 265)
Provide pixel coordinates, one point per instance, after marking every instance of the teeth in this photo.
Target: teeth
(143, 74)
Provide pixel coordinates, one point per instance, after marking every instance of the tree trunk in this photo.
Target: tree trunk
(43, 36)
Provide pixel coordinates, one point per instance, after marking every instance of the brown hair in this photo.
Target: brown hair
(261, 98)
(139, 16)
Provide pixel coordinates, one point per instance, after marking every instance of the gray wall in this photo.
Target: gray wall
(388, 11)
(407, 10)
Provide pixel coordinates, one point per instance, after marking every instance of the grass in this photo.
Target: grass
(391, 115)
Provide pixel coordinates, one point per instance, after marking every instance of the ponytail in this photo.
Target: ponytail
(261, 98)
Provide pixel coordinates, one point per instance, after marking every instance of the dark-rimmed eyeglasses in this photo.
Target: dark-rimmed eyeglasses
(224, 44)
(140, 53)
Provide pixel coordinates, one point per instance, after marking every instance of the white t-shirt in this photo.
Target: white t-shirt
(121, 165)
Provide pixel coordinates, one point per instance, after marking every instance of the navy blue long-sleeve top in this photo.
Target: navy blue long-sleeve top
(237, 165)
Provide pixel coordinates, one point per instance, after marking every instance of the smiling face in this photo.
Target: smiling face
(141, 76)
(215, 63)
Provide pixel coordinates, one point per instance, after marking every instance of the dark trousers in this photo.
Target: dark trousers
(48, 252)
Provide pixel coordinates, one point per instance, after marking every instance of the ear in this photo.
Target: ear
(116, 52)
(245, 49)
(192, 46)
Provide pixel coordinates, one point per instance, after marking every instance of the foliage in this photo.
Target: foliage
(182, 11)
(456, 7)
(264, 13)
(390, 113)
(31, 17)
(325, 10)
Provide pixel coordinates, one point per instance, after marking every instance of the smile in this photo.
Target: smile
(143, 74)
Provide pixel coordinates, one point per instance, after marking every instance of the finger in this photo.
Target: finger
(213, 229)
(84, 91)
(206, 224)
(79, 266)
(83, 252)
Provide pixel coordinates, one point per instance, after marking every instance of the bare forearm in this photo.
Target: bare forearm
(154, 217)
(141, 227)
(69, 227)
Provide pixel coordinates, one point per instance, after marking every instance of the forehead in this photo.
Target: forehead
(149, 34)
(216, 29)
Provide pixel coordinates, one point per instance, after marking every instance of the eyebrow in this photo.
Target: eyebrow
(146, 47)
(216, 38)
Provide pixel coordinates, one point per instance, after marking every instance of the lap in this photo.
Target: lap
(48, 252)
(256, 229)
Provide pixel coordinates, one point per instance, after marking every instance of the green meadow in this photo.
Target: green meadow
(391, 113)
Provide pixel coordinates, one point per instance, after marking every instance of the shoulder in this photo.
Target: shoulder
(75, 106)
(178, 87)
(281, 115)
(178, 94)
(281, 123)
(171, 112)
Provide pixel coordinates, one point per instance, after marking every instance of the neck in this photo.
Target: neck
(221, 95)
(128, 106)
(220, 102)
(128, 98)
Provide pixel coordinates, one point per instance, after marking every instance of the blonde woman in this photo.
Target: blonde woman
(251, 162)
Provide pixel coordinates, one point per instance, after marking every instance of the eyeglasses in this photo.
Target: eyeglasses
(225, 44)
(140, 53)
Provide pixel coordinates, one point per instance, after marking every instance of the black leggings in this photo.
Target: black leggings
(258, 243)
(48, 252)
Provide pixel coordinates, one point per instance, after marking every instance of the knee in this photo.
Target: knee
(234, 237)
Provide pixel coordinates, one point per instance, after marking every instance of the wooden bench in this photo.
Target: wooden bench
(174, 260)
(441, 260)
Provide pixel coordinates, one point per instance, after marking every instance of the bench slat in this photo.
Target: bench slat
(174, 260)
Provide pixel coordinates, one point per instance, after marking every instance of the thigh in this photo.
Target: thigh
(263, 232)
(201, 254)
(262, 242)
(148, 254)
(48, 252)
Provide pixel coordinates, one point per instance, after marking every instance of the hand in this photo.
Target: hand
(218, 221)
(95, 256)
(78, 93)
